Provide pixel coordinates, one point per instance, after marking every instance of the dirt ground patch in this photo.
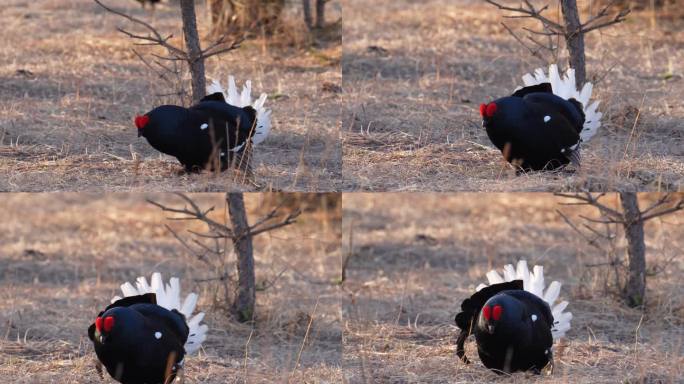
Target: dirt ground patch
(64, 257)
(70, 86)
(416, 256)
(415, 73)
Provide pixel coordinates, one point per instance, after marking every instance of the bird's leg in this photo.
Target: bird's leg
(460, 348)
(98, 368)
(548, 370)
(181, 375)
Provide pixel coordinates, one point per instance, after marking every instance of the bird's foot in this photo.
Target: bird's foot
(548, 370)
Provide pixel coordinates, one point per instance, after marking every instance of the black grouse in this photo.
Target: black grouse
(143, 338)
(206, 135)
(151, 2)
(513, 320)
(541, 126)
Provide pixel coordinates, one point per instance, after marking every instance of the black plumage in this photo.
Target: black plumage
(152, 3)
(535, 129)
(512, 328)
(204, 136)
(140, 342)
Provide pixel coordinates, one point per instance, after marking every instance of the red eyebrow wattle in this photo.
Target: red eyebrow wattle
(491, 109)
(141, 121)
(108, 323)
(496, 312)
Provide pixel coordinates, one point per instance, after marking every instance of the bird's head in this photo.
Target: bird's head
(103, 327)
(113, 324)
(161, 119)
(499, 313)
(502, 112)
(141, 121)
(487, 111)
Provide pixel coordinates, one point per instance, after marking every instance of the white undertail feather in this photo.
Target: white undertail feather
(533, 282)
(243, 99)
(169, 297)
(565, 87)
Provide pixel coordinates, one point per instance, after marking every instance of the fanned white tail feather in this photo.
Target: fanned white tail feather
(169, 297)
(565, 87)
(533, 282)
(243, 99)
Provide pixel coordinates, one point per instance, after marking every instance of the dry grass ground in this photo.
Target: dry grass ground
(415, 73)
(64, 256)
(415, 257)
(70, 86)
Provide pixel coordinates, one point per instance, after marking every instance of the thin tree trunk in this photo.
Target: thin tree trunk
(243, 306)
(307, 13)
(636, 249)
(320, 13)
(574, 39)
(192, 43)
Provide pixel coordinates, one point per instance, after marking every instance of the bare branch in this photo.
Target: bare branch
(531, 12)
(195, 214)
(233, 46)
(588, 199)
(208, 235)
(618, 18)
(269, 283)
(601, 221)
(677, 207)
(215, 251)
(290, 219)
(156, 38)
(545, 33)
(201, 256)
(534, 53)
(223, 277)
(572, 225)
(161, 75)
(214, 48)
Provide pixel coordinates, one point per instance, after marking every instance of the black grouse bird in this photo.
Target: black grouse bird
(514, 320)
(541, 126)
(143, 338)
(207, 134)
(151, 2)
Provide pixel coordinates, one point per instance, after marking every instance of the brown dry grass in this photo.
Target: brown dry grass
(64, 256)
(411, 120)
(415, 257)
(70, 86)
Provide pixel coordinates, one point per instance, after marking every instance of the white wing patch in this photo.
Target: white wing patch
(204, 126)
(157, 335)
(547, 118)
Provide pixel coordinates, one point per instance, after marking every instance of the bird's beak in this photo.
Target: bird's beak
(490, 329)
(139, 132)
